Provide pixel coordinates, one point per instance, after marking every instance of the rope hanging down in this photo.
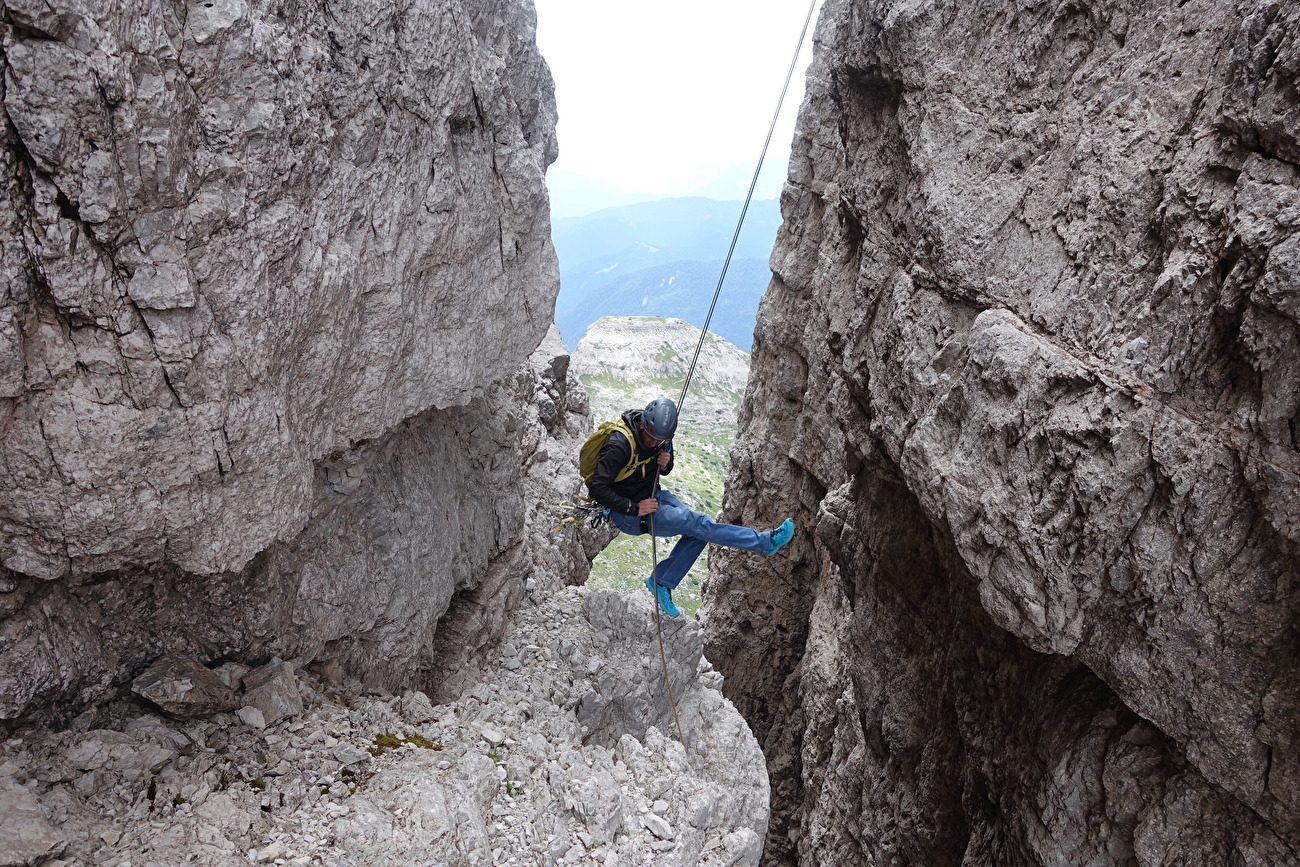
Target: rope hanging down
(659, 631)
(690, 372)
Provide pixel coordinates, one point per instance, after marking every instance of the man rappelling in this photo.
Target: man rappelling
(622, 463)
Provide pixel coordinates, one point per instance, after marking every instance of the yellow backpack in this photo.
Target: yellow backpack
(590, 454)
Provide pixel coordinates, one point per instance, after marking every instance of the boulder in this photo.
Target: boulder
(231, 673)
(251, 717)
(155, 729)
(416, 708)
(272, 690)
(26, 835)
(183, 688)
(118, 752)
(594, 797)
(657, 825)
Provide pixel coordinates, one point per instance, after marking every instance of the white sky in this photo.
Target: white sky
(650, 92)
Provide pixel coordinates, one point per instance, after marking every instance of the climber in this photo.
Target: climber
(636, 451)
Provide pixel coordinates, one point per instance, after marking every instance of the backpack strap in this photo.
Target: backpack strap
(633, 463)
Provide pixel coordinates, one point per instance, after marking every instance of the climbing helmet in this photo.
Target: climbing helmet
(660, 418)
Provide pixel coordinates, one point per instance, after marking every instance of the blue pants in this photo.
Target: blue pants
(696, 531)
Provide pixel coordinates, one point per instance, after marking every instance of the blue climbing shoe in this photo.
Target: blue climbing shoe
(665, 597)
(780, 536)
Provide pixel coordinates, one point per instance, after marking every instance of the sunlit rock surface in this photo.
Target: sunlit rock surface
(272, 274)
(1029, 379)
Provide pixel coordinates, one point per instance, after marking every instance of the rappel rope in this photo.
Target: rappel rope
(704, 330)
(659, 632)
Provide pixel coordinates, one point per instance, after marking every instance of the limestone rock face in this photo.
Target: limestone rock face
(243, 237)
(1029, 378)
(272, 275)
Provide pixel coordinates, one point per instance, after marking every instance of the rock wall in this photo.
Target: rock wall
(1028, 375)
(272, 274)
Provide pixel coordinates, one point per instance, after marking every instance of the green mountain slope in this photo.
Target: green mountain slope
(625, 362)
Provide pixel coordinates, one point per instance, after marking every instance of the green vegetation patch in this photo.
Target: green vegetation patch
(666, 354)
(389, 741)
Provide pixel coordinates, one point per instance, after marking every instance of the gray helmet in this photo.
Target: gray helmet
(660, 418)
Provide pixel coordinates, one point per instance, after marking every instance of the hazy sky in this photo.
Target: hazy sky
(650, 92)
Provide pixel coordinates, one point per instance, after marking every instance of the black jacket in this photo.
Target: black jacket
(623, 496)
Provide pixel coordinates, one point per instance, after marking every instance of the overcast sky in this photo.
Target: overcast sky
(652, 92)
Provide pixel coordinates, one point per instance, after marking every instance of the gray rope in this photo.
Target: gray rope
(659, 632)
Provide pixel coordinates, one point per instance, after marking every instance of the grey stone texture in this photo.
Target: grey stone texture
(272, 690)
(271, 276)
(183, 688)
(26, 835)
(1028, 377)
(355, 780)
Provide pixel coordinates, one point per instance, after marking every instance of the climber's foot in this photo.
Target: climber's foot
(780, 536)
(664, 596)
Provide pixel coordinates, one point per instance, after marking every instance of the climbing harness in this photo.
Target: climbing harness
(580, 508)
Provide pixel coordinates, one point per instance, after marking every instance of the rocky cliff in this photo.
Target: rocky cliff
(272, 275)
(1028, 375)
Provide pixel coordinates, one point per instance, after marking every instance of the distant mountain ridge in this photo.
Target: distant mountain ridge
(573, 194)
(663, 258)
(681, 289)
